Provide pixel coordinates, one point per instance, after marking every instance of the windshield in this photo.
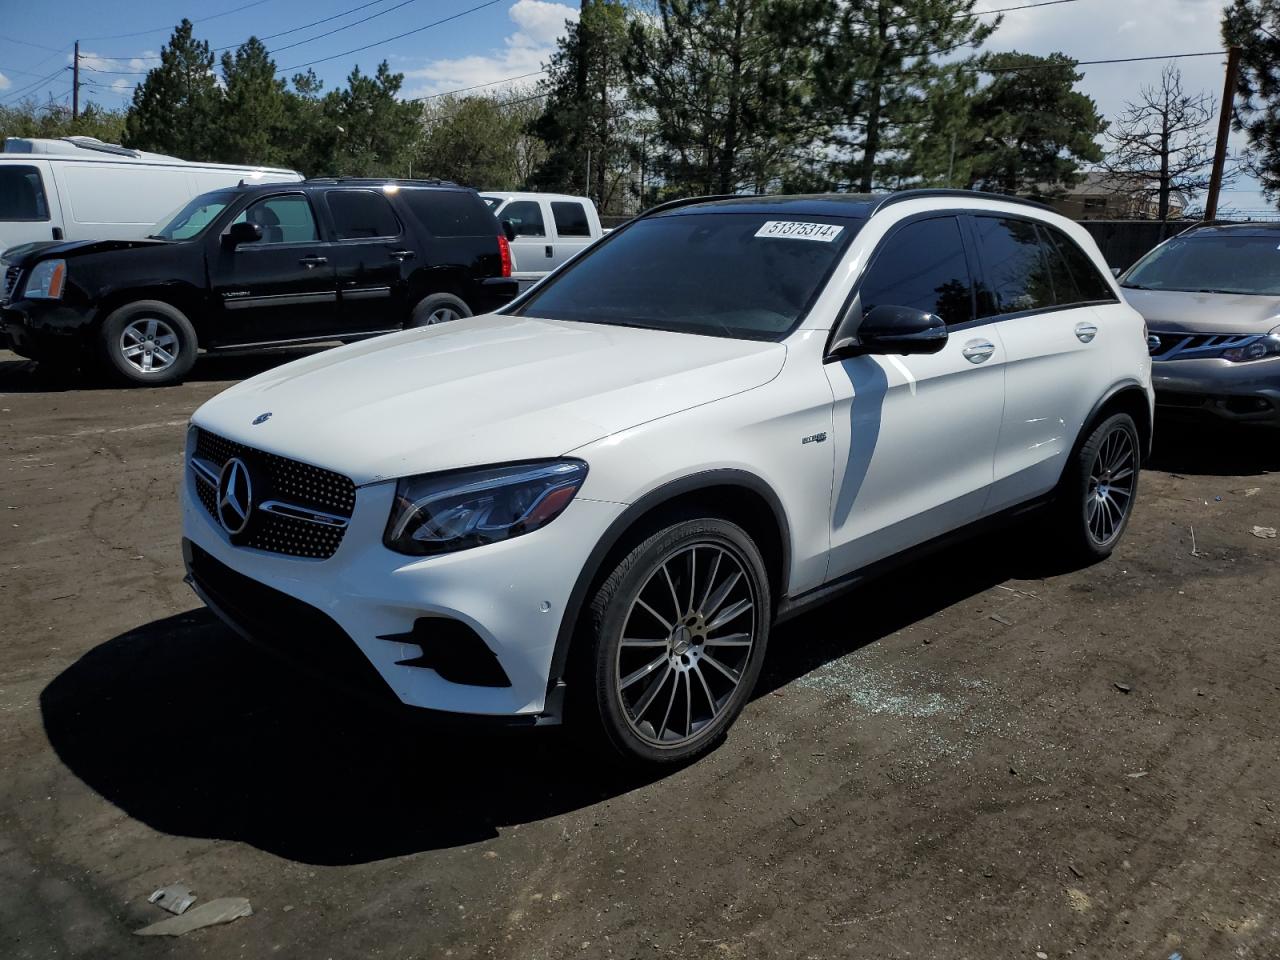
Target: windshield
(1216, 263)
(193, 216)
(744, 275)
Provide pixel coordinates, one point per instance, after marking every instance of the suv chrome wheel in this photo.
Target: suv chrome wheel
(686, 642)
(1111, 482)
(149, 344)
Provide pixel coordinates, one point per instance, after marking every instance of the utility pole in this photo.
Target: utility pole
(75, 84)
(1224, 128)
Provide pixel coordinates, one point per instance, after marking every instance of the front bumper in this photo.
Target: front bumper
(44, 329)
(1215, 388)
(512, 595)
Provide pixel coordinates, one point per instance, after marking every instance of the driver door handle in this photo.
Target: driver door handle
(978, 351)
(1085, 332)
(401, 255)
(310, 262)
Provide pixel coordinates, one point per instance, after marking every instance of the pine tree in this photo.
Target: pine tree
(586, 119)
(879, 80)
(1030, 129)
(175, 109)
(1254, 26)
(252, 119)
(726, 83)
(366, 129)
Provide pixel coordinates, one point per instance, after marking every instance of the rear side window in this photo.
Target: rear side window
(1016, 268)
(526, 216)
(451, 213)
(571, 218)
(1089, 284)
(922, 266)
(360, 214)
(22, 194)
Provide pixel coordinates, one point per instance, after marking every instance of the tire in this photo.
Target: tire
(148, 343)
(438, 308)
(1097, 492)
(682, 655)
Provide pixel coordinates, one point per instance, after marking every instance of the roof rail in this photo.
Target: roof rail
(900, 196)
(687, 201)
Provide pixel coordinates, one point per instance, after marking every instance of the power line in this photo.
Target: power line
(478, 86)
(13, 95)
(1025, 6)
(398, 36)
(1090, 63)
(345, 26)
(143, 33)
(38, 46)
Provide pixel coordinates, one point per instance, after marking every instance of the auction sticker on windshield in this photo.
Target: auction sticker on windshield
(799, 230)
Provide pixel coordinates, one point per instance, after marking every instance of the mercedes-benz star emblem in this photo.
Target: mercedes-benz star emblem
(235, 496)
(262, 418)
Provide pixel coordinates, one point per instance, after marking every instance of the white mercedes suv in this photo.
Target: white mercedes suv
(596, 502)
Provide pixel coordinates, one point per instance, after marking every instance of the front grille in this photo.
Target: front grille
(1193, 346)
(11, 276)
(299, 510)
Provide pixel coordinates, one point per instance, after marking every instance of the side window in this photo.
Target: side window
(1089, 283)
(923, 266)
(284, 219)
(22, 194)
(1016, 269)
(1065, 291)
(361, 214)
(526, 215)
(571, 218)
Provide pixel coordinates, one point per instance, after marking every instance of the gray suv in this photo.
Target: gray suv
(1211, 299)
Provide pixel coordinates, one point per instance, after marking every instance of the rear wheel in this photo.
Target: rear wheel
(1096, 496)
(678, 636)
(149, 343)
(438, 308)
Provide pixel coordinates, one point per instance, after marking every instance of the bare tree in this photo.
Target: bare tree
(1162, 144)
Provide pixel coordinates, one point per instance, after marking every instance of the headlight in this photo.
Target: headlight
(444, 512)
(1268, 346)
(46, 280)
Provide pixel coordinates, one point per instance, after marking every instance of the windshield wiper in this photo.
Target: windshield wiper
(1134, 286)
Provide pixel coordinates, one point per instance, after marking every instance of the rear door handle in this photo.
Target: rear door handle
(310, 262)
(1085, 332)
(401, 255)
(549, 253)
(978, 351)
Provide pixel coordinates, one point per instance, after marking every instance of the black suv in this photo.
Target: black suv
(259, 265)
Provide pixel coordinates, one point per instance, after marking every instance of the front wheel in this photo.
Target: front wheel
(1096, 496)
(678, 634)
(148, 343)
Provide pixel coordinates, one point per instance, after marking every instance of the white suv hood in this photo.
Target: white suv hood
(482, 390)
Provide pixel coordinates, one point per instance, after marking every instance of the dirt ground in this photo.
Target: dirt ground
(981, 756)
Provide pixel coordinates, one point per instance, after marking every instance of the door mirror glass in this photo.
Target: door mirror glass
(242, 232)
(889, 328)
(508, 229)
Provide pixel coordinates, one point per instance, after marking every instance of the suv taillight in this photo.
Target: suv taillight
(504, 251)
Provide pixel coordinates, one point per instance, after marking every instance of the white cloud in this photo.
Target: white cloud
(5, 82)
(539, 24)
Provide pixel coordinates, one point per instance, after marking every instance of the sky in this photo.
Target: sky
(467, 43)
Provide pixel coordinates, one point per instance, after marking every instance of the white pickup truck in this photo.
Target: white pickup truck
(549, 229)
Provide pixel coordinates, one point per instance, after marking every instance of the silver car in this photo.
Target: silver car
(1211, 299)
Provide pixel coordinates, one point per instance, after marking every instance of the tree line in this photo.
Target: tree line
(650, 99)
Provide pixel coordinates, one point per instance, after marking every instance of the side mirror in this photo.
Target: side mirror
(242, 232)
(889, 329)
(1116, 271)
(508, 229)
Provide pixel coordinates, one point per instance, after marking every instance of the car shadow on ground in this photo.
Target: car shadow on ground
(1214, 449)
(18, 375)
(190, 730)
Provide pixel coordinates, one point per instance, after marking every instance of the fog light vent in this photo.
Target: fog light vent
(453, 650)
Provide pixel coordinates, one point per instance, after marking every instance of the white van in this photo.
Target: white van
(549, 229)
(79, 188)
